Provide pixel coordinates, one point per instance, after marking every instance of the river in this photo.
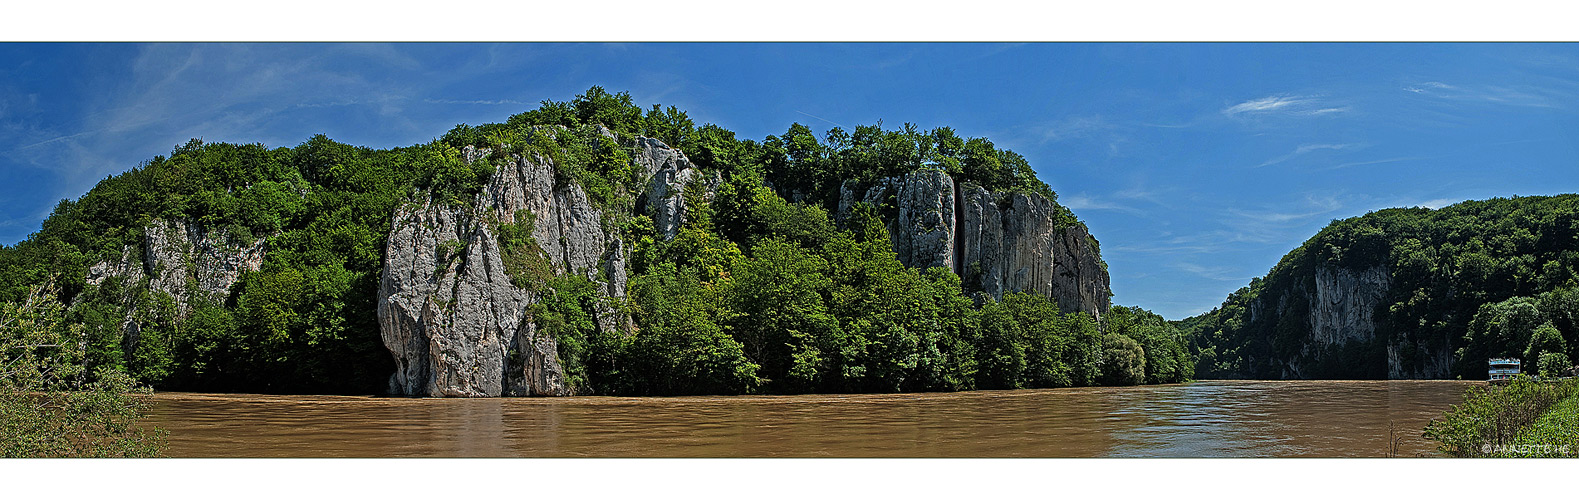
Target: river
(1198, 419)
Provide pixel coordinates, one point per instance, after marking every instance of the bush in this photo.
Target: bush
(49, 405)
(1545, 340)
(1123, 361)
(1492, 418)
(1554, 364)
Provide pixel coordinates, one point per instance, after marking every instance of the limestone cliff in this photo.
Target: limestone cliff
(178, 260)
(996, 242)
(1338, 310)
(457, 326)
(669, 173)
(1343, 303)
(448, 311)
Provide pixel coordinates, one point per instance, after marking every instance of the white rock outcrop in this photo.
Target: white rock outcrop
(173, 256)
(997, 242)
(449, 313)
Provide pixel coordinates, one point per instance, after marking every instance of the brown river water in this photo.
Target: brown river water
(1199, 419)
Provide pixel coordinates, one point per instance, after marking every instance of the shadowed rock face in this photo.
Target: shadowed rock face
(1340, 306)
(997, 242)
(173, 252)
(1343, 303)
(450, 315)
(669, 172)
(1343, 308)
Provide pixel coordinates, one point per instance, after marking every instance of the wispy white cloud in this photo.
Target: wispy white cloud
(1323, 111)
(483, 102)
(169, 93)
(1084, 202)
(1170, 125)
(1215, 241)
(1437, 203)
(1426, 87)
(1265, 104)
(1311, 105)
(1218, 273)
(1093, 128)
(1075, 127)
(1160, 197)
(1511, 95)
(1374, 162)
(1303, 149)
(1313, 206)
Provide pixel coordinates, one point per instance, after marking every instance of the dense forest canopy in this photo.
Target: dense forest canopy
(1474, 280)
(760, 291)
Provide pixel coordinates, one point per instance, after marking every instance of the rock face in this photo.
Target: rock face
(669, 172)
(1339, 308)
(449, 313)
(175, 256)
(457, 326)
(1343, 303)
(996, 242)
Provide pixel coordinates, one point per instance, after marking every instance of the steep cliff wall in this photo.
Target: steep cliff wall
(996, 242)
(1343, 303)
(457, 326)
(177, 259)
(448, 311)
(1331, 327)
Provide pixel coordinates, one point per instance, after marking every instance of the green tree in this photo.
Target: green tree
(1554, 364)
(50, 406)
(1000, 353)
(1546, 339)
(680, 347)
(1123, 361)
(782, 319)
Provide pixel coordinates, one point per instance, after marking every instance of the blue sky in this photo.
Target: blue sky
(1196, 165)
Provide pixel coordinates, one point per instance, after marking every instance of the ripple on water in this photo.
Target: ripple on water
(1201, 419)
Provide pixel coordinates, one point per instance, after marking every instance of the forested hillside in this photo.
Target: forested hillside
(1408, 293)
(228, 267)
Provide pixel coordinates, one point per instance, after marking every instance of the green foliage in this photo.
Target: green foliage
(524, 259)
(681, 345)
(1456, 278)
(1000, 352)
(1554, 364)
(1493, 420)
(50, 405)
(796, 162)
(1545, 340)
(747, 212)
(566, 310)
(448, 177)
(1026, 343)
(1555, 434)
(755, 293)
(783, 321)
(1167, 357)
(671, 126)
(1123, 361)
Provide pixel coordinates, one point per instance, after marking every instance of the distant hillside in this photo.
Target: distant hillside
(1406, 293)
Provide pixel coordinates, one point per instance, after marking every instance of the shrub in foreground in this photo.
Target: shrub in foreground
(1492, 420)
(49, 405)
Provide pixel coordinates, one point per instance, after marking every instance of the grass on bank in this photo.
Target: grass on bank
(1527, 417)
(1555, 434)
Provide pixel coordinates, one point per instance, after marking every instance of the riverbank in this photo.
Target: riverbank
(1526, 418)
